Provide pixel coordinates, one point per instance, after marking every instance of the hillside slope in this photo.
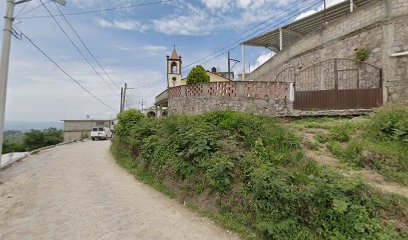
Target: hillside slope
(252, 175)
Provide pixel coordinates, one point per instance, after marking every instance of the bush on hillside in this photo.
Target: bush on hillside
(197, 75)
(391, 123)
(257, 169)
(9, 146)
(126, 119)
(41, 138)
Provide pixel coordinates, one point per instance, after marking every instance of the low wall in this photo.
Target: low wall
(257, 97)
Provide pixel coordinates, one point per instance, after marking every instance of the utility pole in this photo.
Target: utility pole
(5, 59)
(121, 99)
(124, 96)
(142, 103)
(229, 65)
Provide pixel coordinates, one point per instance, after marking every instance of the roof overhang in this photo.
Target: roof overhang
(300, 28)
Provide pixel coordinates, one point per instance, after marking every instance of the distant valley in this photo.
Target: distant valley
(27, 126)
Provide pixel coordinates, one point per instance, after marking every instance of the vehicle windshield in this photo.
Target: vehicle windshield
(100, 129)
(94, 129)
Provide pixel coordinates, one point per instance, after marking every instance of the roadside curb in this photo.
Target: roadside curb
(36, 151)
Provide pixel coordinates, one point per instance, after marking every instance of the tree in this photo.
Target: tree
(37, 139)
(197, 75)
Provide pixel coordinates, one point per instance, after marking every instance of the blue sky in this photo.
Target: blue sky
(131, 45)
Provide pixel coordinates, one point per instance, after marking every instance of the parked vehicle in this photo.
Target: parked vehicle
(101, 133)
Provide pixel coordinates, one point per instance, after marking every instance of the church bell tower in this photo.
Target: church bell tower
(174, 69)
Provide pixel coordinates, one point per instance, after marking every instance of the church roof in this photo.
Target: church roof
(174, 54)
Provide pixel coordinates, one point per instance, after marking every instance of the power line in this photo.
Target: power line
(77, 48)
(69, 76)
(86, 47)
(31, 10)
(22, 9)
(102, 10)
(253, 33)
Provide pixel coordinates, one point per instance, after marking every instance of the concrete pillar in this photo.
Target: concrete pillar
(280, 39)
(243, 62)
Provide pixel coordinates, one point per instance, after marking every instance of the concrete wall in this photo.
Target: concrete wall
(380, 27)
(77, 129)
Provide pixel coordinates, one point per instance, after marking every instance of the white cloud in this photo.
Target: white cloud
(155, 50)
(129, 25)
(222, 5)
(329, 3)
(306, 14)
(196, 22)
(40, 92)
(263, 58)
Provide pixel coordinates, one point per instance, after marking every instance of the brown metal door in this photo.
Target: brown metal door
(339, 84)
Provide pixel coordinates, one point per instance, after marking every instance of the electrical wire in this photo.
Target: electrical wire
(77, 48)
(86, 47)
(102, 10)
(62, 70)
(255, 32)
(31, 10)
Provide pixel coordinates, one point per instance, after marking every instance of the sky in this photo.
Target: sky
(131, 45)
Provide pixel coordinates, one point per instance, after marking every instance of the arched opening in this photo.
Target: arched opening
(151, 114)
(173, 67)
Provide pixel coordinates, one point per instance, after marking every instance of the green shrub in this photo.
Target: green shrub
(41, 138)
(361, 54)
(391, 123)
(256, 168)
(197, 75)
(127, 119)
(340, 133)
(9, 146)
(350, 153)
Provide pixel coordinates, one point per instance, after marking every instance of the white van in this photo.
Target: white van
(100, 133)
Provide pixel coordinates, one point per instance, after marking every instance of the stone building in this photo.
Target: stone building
(80, 129)
(380, 26)
(315, 70)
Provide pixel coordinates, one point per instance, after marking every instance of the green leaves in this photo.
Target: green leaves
(197, 75)
(253, 170)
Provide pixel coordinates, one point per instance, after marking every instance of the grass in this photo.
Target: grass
(146, 177)
(377, 142)
(249, 174)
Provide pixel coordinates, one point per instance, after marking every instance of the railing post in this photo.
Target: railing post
(336, 75)
(240, 88)
(358, 77)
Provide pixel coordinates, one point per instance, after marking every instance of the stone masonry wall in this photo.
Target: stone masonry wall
(257, 97)
(381, 27)
(198, 105)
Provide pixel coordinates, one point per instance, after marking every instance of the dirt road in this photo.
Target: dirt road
(78, 192)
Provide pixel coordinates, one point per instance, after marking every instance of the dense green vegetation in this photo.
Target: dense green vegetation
(197, 75)
(249, 173)
(379, 142)
(16, 141)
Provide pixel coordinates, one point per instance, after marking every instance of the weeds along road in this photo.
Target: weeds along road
(78, 192)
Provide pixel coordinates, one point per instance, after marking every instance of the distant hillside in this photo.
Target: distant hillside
(14, 136)
(27, 126)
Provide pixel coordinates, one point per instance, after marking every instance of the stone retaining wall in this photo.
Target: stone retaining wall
(258, 97)
(380, 27)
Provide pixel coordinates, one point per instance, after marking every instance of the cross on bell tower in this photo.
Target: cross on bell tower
(174, 69)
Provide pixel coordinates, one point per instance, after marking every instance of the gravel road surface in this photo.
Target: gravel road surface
(77, 191)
